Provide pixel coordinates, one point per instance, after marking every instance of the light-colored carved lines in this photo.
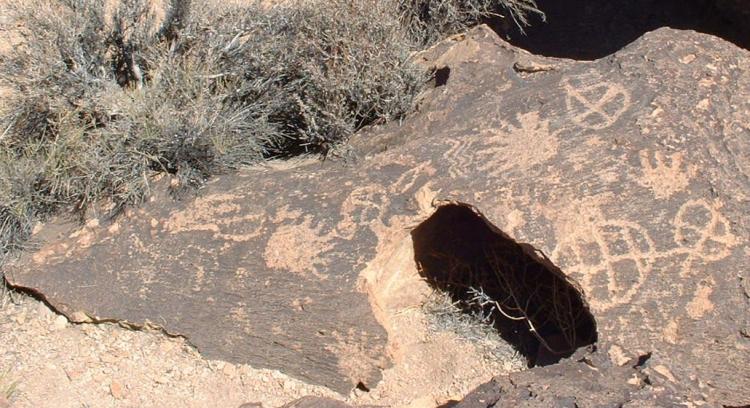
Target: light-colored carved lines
(702, 233)
(597, 105)
(666, 176)
(613, 259)
(456, 156)
(516, 147)
(494, 151)
(298, 248)
(363, 206)
(220, 214)
(410, 177)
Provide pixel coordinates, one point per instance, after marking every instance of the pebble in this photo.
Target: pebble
(44, 311)
(60, 323)
(229, 370)
(21, 319)
(117, 390)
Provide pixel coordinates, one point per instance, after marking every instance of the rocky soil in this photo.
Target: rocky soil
(49, 362)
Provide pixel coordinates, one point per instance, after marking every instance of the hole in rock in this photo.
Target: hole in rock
(591, 29)
(441, 76)
(362, 387)
(534, 306)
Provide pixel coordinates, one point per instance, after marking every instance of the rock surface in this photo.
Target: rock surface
(630, 173)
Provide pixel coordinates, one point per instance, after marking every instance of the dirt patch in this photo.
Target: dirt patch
(55, 364)
(52, 363)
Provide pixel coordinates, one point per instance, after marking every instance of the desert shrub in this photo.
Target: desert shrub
(430, 20)
(103, 97)
(332, 67)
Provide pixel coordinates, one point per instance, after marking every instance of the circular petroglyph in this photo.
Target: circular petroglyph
(613, 258)
(594, 103)
(702, 233)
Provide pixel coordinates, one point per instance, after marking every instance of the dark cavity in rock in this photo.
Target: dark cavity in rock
(535, 307)
(441, 76)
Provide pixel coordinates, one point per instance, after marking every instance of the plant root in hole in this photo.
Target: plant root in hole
(534, 306)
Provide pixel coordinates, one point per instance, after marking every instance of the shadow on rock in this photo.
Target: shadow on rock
(535, 307)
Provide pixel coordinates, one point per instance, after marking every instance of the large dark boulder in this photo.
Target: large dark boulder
(627, 178)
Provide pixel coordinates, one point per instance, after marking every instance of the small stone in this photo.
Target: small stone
(60, 323)
(20, 319)
(80, 317)
(117, 390)
(43, 311)
(230, 370)
(688, 59)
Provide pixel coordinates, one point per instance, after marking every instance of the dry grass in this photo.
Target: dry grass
(509, 292)
(430, 20)
(104, 99)
(477, 327)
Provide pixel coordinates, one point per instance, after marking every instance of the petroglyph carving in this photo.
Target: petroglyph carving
(523, 146)
(702, 234)
(220, 214)
(666, 175)
(594, 104)
(363, 206)
(456, 156)
(612, 258)
(496, 151)
(298, 248)
(701, 303)
(409, 179)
